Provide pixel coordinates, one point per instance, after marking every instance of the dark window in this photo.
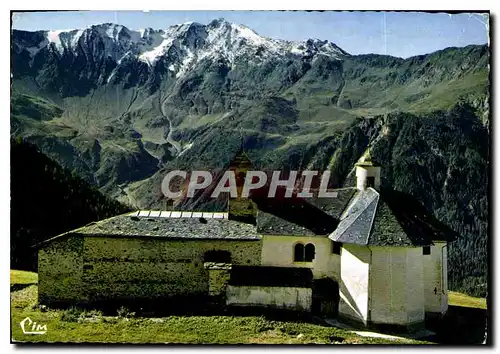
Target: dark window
(370, 182)
(217, 256)
(240, 179)
(304, 254)
(336, 247)
(298, 253)
(427, 250)
(309, 252)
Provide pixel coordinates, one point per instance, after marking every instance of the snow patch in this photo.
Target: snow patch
(76, 38)
(123, 57)
(185, 64)
(113, 31)
(186, 148)
(150, 56)
(249, 34)
(298, 49)
(54, 37)
(111, 76)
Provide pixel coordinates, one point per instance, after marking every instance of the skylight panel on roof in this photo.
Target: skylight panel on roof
(186, 214)
(154, 213)
(176, 214)
(197, 214)
(165, 214)
(218, 215)
(144, 213)
(208, 215)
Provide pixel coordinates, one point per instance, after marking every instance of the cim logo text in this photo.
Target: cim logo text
(30, 327)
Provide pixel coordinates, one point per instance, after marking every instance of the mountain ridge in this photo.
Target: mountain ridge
(223, 38)
(125, 106)
(122, 126)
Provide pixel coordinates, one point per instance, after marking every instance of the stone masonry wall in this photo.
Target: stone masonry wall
(218, 277)
(60, 271)
(131, 268)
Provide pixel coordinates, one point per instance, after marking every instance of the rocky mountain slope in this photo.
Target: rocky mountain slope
(120, 107)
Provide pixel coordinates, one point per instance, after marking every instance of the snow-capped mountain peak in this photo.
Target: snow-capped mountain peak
(179, 46)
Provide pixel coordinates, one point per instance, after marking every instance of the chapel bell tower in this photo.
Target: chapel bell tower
(241, 209)
(367, 173)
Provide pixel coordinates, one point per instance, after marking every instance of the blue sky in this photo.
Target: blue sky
(398, 34)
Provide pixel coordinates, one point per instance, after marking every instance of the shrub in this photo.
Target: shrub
(125, 312)
(71, 315)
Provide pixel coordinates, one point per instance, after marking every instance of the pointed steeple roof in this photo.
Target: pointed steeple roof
(241, 158)
(389, 219)
(366, 160)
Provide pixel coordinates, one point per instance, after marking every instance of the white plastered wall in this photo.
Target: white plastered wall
(396, 286)
(436, 279)
(292, 298)
(362, 172)
(354, 283)
(278, 251)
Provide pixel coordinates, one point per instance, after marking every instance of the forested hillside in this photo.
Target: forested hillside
(442, 159)
(47, 200)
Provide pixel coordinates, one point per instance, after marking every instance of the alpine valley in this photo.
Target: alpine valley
(121, 107)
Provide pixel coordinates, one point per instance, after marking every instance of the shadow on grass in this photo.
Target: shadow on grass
(186, 306)
(460, 325)
(17, 287)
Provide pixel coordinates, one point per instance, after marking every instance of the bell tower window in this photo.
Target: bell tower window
(370, 182)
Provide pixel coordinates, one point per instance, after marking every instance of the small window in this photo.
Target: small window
(427, 250)
(309, 252)
(217, 256)
(304, 254)
(298, 255)
(336, 247)
(370, 182)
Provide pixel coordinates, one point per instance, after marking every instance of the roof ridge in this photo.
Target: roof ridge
(353, 217)
(373, 220)
(375, 200)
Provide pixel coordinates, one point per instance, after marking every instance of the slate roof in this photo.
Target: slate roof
(358, 217)
(334, 206)
(368, 217)
(389, 219)
(301, 216)
(131, 225)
